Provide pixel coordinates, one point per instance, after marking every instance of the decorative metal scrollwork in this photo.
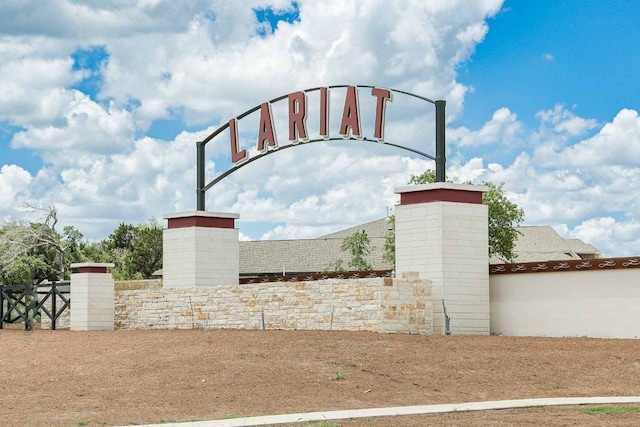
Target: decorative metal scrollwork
(540, 266)
(585, 264)
(499, 269)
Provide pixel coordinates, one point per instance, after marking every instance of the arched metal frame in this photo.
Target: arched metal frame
(439, 158)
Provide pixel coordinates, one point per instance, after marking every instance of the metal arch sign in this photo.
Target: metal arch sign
(350, 129)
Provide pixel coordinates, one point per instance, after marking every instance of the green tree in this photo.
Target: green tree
(334, 267)
(359, 246)
(35, 251)
(427, 177)
(390, 242)
(504, 217)
(136, 250)
(23, 259)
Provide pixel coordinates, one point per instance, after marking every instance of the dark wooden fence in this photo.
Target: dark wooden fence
(23, 303)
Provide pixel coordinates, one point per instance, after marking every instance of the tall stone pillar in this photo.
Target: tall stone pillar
(92, 297)
(200, 249)
(442, 232)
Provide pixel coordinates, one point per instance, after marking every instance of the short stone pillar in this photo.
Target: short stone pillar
(442, 232)
(200, 249)
(92, 297)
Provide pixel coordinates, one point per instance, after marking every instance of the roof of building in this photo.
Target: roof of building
(543, 243)
(261, 257)
(539, 243)
(377, 228)
(535, 243)
(581, 248)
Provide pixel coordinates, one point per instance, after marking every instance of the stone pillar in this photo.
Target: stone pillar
(92, 297)
(200, 249)
(442, 232)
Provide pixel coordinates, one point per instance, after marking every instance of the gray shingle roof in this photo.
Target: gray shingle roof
(543, 243)
(377, 228)
(582, 248)
(536, 243)
(311, 255)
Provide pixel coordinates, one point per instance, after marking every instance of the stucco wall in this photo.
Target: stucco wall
(381, 305)
(592, 303)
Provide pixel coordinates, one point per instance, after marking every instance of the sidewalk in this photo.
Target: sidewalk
(403, 410)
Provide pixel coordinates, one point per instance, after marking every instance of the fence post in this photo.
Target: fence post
(1, 307)
(92, 297)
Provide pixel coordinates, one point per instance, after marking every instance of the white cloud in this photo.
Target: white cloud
(203, 62)
(243, 237)
(76, 123)
(172, 57)
(610, 236)
(584, 187)
(95, 191)
(320, 185)
(32, 88)
(617, 143)
(564, 121)
(14, 185)
(207, 71)
(108, 18)
(290, 231)
(503, 128)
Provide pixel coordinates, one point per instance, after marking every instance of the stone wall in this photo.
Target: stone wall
(379, 304)
(64, 321)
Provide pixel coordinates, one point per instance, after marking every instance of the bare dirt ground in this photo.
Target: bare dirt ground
(63, 378)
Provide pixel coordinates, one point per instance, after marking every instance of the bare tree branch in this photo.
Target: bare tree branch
(19, 237)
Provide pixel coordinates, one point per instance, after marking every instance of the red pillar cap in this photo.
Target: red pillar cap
(92, 267)
(201, 219)
(441, 192)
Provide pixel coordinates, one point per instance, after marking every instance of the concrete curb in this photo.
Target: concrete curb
(403, 410)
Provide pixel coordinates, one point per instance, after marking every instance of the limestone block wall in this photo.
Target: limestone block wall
(64, 321)
(380, 305)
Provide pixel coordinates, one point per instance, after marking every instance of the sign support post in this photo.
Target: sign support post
(441, 155)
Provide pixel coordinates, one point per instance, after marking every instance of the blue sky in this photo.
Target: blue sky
(537, 54)
(101, 105)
